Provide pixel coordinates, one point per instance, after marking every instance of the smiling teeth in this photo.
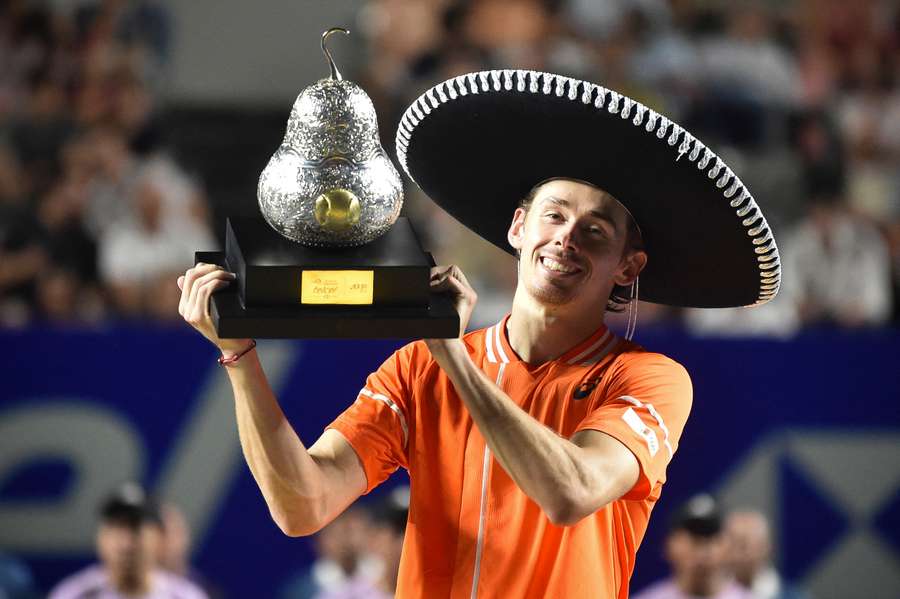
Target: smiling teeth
(553, 265)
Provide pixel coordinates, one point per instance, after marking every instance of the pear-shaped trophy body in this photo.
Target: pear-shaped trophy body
(330, 183)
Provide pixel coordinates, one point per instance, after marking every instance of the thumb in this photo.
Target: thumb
(180, 282)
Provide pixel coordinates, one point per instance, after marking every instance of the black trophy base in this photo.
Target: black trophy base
(437, 320)
(270, 267)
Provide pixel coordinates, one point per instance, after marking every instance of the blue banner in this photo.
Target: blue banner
(807, 429)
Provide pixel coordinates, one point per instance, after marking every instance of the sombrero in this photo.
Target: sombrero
(477, 143)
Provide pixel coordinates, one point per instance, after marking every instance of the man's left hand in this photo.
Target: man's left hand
(451, 280)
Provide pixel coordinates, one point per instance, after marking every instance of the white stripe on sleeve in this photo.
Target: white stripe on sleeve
(393, 406)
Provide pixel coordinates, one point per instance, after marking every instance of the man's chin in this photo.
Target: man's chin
(551, 295)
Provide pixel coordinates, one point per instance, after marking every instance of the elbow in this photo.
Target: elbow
(297, 522)
(566, 513)
(295, 529)
(571, 508)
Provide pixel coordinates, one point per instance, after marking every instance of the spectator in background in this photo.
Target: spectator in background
(341, 564)
(386, 539)
(697, 553)
(128, 540)
(175, 547)
(136, 257)
(750, 556)
(22, 255)
(838, 265)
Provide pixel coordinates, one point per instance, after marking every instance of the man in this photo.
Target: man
(750, 554)
(538, 447)
(697, 551)
(341, 568)
(388, 529)
(128, 539)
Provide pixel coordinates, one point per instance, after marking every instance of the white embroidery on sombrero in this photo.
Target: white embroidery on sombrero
(639, 114)
(764, 249)
(590, 93)
(744, 196)
(707, 156)
(573, 89)
(751, 219)
(725, 178)
(735, 185)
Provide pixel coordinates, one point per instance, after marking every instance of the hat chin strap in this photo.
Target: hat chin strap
(632, 311)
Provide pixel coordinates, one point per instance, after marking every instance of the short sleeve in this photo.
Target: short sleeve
(646, 405)
(377, 424)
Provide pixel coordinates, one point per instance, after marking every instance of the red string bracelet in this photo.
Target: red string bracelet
(232, 359)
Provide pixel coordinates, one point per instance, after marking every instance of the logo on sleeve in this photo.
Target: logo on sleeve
(645, 432)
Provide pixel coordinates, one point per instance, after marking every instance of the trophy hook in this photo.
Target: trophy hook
(335, 73)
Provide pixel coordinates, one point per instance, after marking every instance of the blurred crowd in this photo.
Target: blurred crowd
(720, 556)
(143, 549)
(95, 215)
(801, 98)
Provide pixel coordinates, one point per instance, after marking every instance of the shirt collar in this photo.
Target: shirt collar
(589, 351)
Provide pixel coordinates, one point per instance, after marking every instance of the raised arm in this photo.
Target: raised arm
(304, 488)
(568, 478)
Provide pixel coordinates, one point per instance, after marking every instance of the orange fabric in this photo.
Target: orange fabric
(409, 415)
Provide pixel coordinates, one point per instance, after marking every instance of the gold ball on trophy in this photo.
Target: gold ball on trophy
(337, 210)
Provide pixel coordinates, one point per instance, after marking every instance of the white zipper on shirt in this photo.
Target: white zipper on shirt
(482, 512)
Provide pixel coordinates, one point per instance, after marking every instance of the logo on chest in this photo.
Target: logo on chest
(585, 388)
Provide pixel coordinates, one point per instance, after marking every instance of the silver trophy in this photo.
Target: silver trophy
(330, 183)
(331, 257)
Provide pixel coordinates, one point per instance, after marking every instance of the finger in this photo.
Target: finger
(190, 276)
(448, 283)
(438, 272)
(193, 298)
(198, 313)
(207, 290)
(180, 282)
(457, 273)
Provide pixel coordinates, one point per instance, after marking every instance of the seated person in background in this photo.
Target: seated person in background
(341, 563)
(128, 540)
(696, 550)
(750, 556)
(388, 529)
(176, 542)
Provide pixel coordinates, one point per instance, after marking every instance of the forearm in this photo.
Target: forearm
(290, 479)
(548, 468)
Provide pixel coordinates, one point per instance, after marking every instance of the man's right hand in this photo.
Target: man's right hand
(196, 285)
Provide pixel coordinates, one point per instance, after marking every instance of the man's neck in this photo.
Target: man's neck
(133, 583)
(539, 333)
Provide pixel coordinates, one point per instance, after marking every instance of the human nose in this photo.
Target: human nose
(567, 237)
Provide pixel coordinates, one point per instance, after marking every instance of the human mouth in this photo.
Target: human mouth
(554, 265)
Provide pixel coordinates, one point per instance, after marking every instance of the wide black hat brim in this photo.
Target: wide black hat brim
(478, 154)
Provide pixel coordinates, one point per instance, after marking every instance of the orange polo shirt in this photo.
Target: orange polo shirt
(472, 532)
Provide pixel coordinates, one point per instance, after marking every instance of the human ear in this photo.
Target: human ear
(630, 267)
(517, 229)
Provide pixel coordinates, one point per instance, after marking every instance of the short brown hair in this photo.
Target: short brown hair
(620, 296)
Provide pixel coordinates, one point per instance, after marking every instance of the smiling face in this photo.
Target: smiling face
(574, 245)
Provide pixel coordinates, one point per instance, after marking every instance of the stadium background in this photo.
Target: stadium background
(115, 116)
